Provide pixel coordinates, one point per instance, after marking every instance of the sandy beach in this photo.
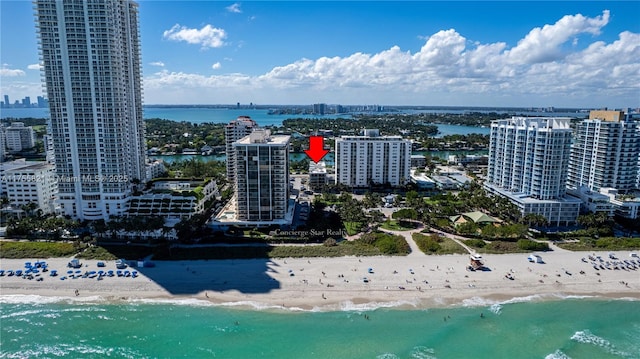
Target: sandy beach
(338, 283)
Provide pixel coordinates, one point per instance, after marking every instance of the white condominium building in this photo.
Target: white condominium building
(31, 182)
(91, 56)
(262, 178)
(235, 131)
(604, 153)
(528, 161)
(372, 159)
(19, 137)
(2, 143)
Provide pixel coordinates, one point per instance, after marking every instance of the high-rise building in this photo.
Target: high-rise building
(361, 161)
(6, 101)
(262, 178)
(91, 56)
(2, 143)
(604, 153)
(42, 102)
(528, 161)
(235, 131)
(319, 108)
(19, 137)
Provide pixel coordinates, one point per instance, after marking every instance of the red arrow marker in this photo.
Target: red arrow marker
(316, 149)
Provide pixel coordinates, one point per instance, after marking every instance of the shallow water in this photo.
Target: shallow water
(39, 327)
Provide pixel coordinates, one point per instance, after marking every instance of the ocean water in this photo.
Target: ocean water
(40, 327)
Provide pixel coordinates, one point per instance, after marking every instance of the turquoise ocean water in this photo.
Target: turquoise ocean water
(39, 327)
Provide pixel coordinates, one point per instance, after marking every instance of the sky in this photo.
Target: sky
(456, 53)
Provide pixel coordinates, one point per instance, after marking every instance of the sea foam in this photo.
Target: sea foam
(558, 354)
(586, 337)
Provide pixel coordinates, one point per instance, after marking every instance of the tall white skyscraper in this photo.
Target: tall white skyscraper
(91, 56)
(604, 153)
(262, 178)
(528, 161)
(235, 131)
(372, 159)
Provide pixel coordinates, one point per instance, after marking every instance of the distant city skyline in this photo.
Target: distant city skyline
(505, 54)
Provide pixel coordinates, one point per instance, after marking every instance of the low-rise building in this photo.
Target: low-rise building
(445, 183)
(423, 181)
(31, 182)
(593, 202)
(626, 206)
(317, 175)
(418, 161)
(559, 211)
(174, 199)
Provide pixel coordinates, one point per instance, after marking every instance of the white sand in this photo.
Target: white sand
(269, 283)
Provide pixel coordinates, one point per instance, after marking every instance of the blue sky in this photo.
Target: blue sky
(506, 53)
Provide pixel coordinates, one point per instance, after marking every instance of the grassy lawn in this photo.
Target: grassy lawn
(97, 252)
(394, 225)
(344, 248)
(352, 228)
(449, 246)
(602, 244)
(434, 244)
(500, 247)
(36, 249)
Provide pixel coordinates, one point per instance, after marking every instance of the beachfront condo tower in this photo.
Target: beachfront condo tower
(604, 164)
(362, 161)
(235, 131)
(90, 52)
(528, 161)
(262, 179)
(604, 153)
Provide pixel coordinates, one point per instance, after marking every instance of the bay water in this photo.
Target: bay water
(54, 327)
(224, 115)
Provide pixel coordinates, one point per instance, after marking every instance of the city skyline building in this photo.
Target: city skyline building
(528, 162)
(90, 53)
(235, 131)
(361, 161)
(262, 178)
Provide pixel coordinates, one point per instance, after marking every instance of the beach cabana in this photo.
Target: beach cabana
(476, 217)
(534, 258)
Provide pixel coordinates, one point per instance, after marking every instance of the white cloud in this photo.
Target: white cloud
(235, 8)
(216, 66)
(207, 36)
(5, 71)
(449, 69)
(157, 63)
(34, 67)
(542, 44)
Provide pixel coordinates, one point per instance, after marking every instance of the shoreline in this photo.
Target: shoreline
(333, 284)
